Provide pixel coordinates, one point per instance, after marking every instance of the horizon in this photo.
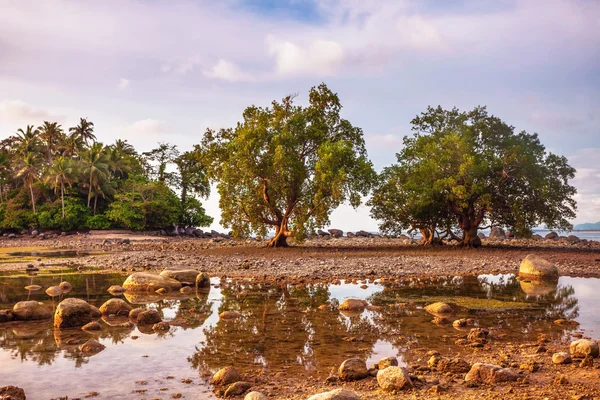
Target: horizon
(164, 71)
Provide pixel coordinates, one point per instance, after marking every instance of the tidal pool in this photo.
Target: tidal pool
(293, 329)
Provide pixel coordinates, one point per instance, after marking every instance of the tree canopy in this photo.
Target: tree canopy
(465, 169)
(286, 167)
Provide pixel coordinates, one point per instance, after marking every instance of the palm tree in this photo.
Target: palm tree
(29, 172)
(71, 146)
(59, 175)
(50, 133)
(4, 172)
(85, 130)
(119, 155)
(123, 147)
(27, 140)
(95, 170)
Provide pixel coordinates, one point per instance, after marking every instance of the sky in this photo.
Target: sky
(154, 71)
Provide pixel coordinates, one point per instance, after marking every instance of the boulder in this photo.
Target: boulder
(352, 305)
(230, 315)
(497, 233)
(32, 287)
(353, 369)
(459, 323)
(489, 373)
(478, 335)
(535, 267)
(394, 378)
(551, 235)
(91, 347)
(573, 239)
(161, 326)
(183, 275)
(453, 365)
(92, 326)
(34, 233)
(438, 308)
(255, 396)
(202, 280)
(387, 362)
(95, 312)
(509, 234)
(116, 290)
(562, 357)
(337, 394)
(322, 233)
(350, 235)
(237, 389)
(481, 235)
(54, 291)
(133, 314)
(72, 313)
(12, 393)
(148, 317)
(538, 287)
(362, 234)
(584, 348)
(116, 307)
(226, 376)
(147, 282)
(336, 233)
(30, 311)
(65, 286)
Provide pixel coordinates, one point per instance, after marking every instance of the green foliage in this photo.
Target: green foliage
(75, 216)
(98, 222)
(472, 167)
(194, 215)
(287, 167)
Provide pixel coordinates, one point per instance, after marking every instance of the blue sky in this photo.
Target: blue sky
(158, 70)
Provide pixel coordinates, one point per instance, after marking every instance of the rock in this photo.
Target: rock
(237, 388)
(183, 275)
(352, 305)
(459, 323)
(30, 310)
(336, 233)
(497, 233)
(322, 233)
(489, 373)
(255, 396)
(116, 290)
(454, 365)
(54, 291)
(535, 267)
(116, 307)
(478, 335)
(147, 282)
(481, 235)
(337, 394)
(161, 327)
(394, 378)
(362, 233)
(91, 347)
(186, 290)
(587, 362)
(350, 235)
(202, 280)
(226, 376)
(148, 317)
(438, 308)
(387, 362)
(133, 314)
(34, 233)
(72, 313)
(12, 236)
(12, 393)
(551, 235)
(573, 239)
(509, 235)
(230, 315)
(434, 360)
(353, 369)
(562, 357)
(584, 348)
(33, 288)
(92, 326)
(162, 290)
(65, 286)
(536, 288)
(6, 316)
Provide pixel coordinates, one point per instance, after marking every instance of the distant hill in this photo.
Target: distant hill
(587, 227)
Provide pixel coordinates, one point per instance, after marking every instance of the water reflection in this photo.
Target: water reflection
(293, 329)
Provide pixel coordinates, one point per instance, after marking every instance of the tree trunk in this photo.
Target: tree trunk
(90, 192)
(470, 238)
(95, 202)
(32, 199)
(62, 198)
(280, 238)
(1, 193)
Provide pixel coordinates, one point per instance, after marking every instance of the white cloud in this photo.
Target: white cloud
(123, 83)
(18, 111)
(227, 71)
(145, 127)
(319, 58)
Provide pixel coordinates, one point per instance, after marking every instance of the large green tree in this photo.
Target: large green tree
(58, 176)
(286, 167)
(475, 168)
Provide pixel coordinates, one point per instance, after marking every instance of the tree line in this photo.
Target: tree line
(64, 179)
(286, 167)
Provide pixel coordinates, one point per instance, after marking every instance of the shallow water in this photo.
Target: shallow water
(282, 329)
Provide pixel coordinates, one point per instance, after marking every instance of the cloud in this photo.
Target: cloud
(319, 58)
(123, 83)
(227, 71)
(145, 127)
(558, 119)
(18, 111)
(587, 182)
